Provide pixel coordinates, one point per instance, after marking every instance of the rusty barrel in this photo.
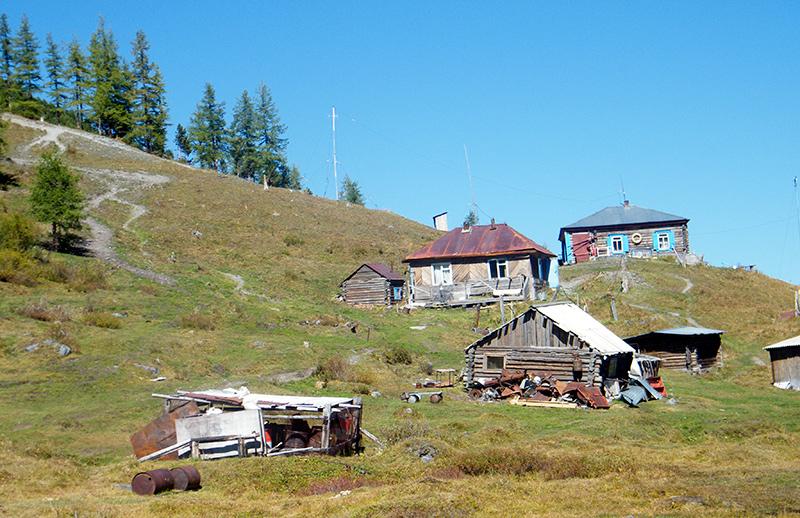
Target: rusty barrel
(187, 478)
(152, 482)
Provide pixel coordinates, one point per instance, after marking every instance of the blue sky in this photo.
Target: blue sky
(693, 107)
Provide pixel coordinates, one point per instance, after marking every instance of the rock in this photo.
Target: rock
(153, 371)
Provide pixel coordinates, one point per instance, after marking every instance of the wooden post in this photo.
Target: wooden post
(502, 311)
(326, 427)
(614, 309)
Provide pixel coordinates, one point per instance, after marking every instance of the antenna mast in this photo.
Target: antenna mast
(474, 212)
(335, 178)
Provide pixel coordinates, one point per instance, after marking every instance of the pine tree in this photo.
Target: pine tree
(56, 199)
(6, 60)
(351, 192)
(110, 84)
(26, 60)
(271, 144)
(243, 140)
(76, 76)
(150, 115)
(54, 64)
(207, 131)
(183, 144)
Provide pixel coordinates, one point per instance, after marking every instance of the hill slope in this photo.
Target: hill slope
(209, 281)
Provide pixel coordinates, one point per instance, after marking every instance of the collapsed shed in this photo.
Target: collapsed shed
(693, 349)
(785, 360)
(544, 340)
(373, 284)
(223, 423)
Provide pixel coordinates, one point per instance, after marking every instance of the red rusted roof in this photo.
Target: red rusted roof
(479, 241)
(386, 271)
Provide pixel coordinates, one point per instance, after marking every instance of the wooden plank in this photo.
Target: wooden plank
(542, 404)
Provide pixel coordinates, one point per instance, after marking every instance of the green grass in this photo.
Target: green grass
(65, 422)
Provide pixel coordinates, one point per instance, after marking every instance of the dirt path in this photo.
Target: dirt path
(118, 186)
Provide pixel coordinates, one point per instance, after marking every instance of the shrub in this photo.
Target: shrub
(398, 355)
(88, 276)
(42, 310)
(101, 319)
(195, 320)
(18, 268)
(293, 241)
(17, 232)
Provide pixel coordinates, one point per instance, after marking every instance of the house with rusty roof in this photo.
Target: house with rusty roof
(373, 284)
(478, 264)
(545, 341)
(625, 230)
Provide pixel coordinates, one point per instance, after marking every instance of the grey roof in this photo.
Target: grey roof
(571, 318)
(623, 215)
(789, 342)
(682, 331)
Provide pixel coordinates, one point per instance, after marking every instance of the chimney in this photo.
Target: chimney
(627, 203)
(493, 226)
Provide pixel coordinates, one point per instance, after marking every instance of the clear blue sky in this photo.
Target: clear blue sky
(692, 106)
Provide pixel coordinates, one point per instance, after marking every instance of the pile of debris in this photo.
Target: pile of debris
(521, 389)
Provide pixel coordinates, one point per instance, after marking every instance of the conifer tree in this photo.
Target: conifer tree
(207, 131)
(271, 144)
(6, 60)
(243, 140)
(76, 77)
(25, 48)
(56, 199)
(350, 191)
(110, 82)
(54, 64)
(183, 144)
(150, 114)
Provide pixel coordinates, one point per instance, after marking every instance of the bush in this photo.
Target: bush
(197, 320)
(18, 268)
(293, 241)
(42, 310)
(101, 319)
(398, 355)
(17, 232)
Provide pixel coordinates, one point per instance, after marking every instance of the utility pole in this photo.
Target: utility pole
(335, 178)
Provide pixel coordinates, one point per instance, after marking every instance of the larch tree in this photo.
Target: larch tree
(350, 191)
(183, 144)
(6, 60)
(243, 140)
(56, 87)
(150, 113)
(56, 198)
(207, 131)
(110, 85)
(271, 144)
(25, 49)
(76, 76)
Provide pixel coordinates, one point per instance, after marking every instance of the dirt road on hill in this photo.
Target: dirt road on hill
(118, 184)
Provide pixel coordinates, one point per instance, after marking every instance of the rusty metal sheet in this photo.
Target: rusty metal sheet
(160, 433)
(479, 241)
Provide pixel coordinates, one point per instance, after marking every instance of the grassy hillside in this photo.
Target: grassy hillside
(253, 277)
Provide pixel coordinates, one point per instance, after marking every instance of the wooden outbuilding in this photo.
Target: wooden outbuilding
(785, 360)
(625, 230)
(545, 340)
(373, 284)
(692, 349)
(478, 264)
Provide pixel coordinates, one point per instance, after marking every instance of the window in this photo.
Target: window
(442, 274)
(397, 293)
(618, 243)
(498, 268)
(495, 362)
(662, 241)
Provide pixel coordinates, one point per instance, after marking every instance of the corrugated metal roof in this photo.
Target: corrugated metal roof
(681, 331)
(622, 215)
(789, 342)
(479, 241)
(570, 317)
(573, 319)
(381, 269)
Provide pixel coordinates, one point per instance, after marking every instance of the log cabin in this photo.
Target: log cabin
(373, 284)
(691, 349)
(544, 341)
(477, 264)
(624, 230)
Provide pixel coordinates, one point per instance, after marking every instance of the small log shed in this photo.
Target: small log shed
(785, 360)
(693, 349)
(544, 339)
(373, 284)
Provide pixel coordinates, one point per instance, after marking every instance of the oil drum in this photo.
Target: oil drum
(187, 478)
(152, 482)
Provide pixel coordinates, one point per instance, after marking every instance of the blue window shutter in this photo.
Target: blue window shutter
(610, 242)
(655, 241)
(671, 239)
(625, 244)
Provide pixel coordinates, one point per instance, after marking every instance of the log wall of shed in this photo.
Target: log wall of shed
(368, 288)
(785, 365)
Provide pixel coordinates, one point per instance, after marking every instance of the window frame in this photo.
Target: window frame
(666, 234)
(493, 359)
(499, 263)
(445, 274)
(613, 239)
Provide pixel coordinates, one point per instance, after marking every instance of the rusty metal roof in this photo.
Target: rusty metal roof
(479, 241)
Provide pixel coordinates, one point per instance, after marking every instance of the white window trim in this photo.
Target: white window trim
(665, 235)
(499, 262)
(446, 274)
(617, 239)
